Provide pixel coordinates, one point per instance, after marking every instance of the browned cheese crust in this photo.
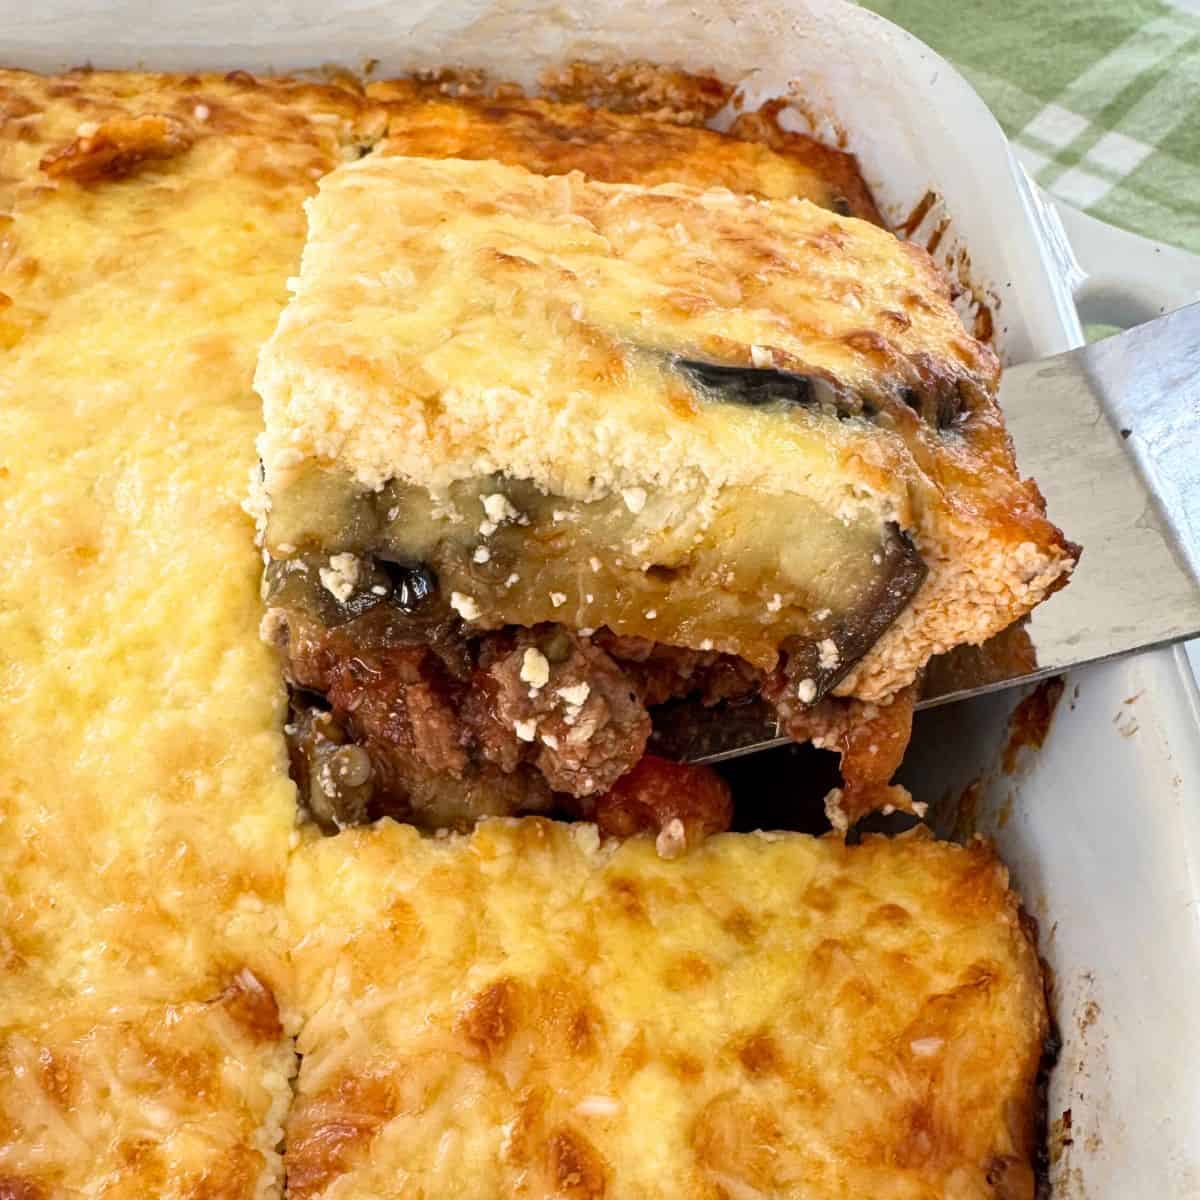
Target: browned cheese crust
(530, 1013)
(148, 224)
(553, 138)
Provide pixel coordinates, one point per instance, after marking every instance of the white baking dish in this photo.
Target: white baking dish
(1102, 826)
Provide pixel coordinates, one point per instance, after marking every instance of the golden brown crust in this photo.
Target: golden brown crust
(149, 225)
(763, 1017)
(616, 146)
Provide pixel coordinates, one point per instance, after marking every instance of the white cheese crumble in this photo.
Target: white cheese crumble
(806, 691)
(635, 499)
(575, 695)
(526, 730)
(481, 555)
(487, 528)
(513, 578)
(340, 577)
(550, 740)
(466, 606)
(650, 614)
(498, 507)
(201, 112)
(594, 563)
(377, 589)
(535, 668)
(775, 603)
(828, 655)
(761, 356)
(558, 599)
(672, 841)
(834, 812)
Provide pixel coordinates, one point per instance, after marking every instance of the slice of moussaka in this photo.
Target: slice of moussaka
(543, 452)
(529, 1011)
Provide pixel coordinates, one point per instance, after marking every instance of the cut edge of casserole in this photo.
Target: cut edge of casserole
(634, 421)
(533, 1008)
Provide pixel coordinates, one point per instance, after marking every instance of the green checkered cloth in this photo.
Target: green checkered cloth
(1100, 97)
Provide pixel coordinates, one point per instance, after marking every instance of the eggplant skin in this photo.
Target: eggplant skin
(940, 403)
(857, 629)
(759, 387)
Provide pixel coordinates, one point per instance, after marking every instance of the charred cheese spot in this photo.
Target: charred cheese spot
(491, 1017)
(117, 147)
(253, 1006)
(575, 1167)
(759, 1054)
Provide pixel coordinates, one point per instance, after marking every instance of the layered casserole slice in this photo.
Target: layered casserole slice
(541, 452)
(529, 1012)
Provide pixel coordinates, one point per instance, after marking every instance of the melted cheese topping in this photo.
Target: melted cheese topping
(145, 808)
(619, 147)
(527, 1012)
(456, 318)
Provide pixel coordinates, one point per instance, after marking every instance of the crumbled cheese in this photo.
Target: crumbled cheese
(340, 577)
(535, 668)
(550, 740)
(201, 112)
(920, 808)
(487, 528)
(828, 655)
(576, 695)
(877, 559)
(594, 563)
(706, 644)
(672, 841)
(834, 812)
(558, 515)
(526, 730)
(761, 356)
(481, 555)
(775, 603)
(466, 606)
(635, 499)
(806, 691)
(377, 589)
(498, 507)
(558, 599)
(650, 614)
(589, 597)
(513, 578)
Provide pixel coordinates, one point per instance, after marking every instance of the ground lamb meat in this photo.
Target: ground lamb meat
(870, 738)
(661, 673)
(555, 698)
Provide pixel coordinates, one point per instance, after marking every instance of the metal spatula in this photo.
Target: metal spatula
(1111, 433)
